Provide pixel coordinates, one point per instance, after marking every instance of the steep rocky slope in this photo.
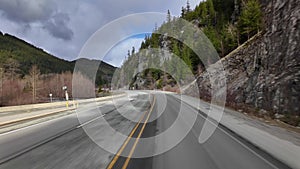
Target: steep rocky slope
(264, 73)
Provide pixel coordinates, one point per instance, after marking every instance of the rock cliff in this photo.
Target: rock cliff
(264, 73)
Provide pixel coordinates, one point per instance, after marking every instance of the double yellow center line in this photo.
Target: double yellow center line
(116, 157)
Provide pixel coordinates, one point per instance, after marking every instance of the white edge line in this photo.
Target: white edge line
(48, 121)
(23, 128)
(88, 122)
(242, 144)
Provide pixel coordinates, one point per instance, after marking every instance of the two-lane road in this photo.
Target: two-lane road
(223, 150)
(155, 115)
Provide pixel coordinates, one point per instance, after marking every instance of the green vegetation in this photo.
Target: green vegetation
(12, 48)
(152, 79)
(17, 57)
(104, 72)
(28, 74)
(226, 23)
(250, 20)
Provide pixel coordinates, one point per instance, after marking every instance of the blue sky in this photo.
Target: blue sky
(62, 27)
(118, 52)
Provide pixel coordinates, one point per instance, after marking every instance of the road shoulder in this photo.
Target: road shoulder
(278, 142)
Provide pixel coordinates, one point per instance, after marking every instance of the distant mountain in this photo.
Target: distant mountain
(104, 73)
(26, 55)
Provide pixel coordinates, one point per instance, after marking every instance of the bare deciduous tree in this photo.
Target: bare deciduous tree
(1, 83)
(34, 73)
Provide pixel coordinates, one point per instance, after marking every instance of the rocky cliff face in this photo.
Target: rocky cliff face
(265, 72)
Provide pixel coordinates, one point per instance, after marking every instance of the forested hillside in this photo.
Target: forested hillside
(227, 24)
(13, 49)
(29, 74)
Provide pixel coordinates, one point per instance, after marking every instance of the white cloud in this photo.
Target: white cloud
(117, 54)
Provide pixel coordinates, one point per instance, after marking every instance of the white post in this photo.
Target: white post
(67, 95)
(50, 97)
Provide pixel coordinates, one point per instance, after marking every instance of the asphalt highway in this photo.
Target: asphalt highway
(64, 142)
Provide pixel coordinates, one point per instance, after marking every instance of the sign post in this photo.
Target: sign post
(66, 95)
(50, 95)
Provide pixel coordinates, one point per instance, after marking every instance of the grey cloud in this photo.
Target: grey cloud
(27, 11)
(42, 23)
(57, 26)
(44, 12)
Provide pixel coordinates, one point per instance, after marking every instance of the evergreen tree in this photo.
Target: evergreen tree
(143, 45)
(183, 12)
(168, 17)
(250, 20)
(186, 56)
(203, 13)
(188, 6)
(133, 50)
(128, 53)
(233, 35)
(214, 17)
(175, 49)
(211, 10)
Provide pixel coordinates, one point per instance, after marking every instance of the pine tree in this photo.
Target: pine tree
(175, 49)
(183, 12)
(186, 52)
(143, 45)
(232, 34)
(203, 13)
(211, 10)
(188, 6)
(168, 16)
(128, 53)
(133, 50)
(210, 7)
(250, 20)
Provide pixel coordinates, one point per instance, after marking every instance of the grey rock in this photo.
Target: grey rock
(262, 112)
(278, 116)
(265, 73)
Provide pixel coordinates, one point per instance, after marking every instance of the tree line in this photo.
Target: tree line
(227, 24)
(36, 87)
(29, 74)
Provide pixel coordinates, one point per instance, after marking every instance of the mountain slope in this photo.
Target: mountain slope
(27, 55)
(104, 73)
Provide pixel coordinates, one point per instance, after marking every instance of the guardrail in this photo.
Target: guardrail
(47, 105)
(55, 104)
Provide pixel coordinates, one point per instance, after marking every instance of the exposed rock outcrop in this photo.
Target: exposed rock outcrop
(265, 72)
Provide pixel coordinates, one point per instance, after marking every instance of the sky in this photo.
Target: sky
(62, 27)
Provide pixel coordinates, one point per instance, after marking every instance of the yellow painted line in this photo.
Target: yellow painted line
(140, 134)
(112, 163)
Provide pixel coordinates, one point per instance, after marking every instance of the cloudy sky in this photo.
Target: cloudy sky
(61, 27)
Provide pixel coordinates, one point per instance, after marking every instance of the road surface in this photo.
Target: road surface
(63, 142)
